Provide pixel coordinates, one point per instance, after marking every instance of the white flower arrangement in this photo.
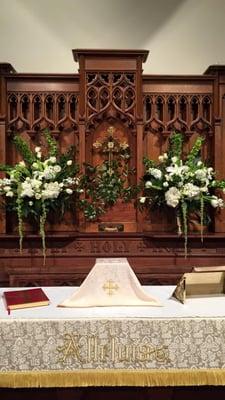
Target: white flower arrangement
(185, 185)
(37, 184)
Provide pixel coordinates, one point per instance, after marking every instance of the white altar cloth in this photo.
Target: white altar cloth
(204, 307)
(114, 346)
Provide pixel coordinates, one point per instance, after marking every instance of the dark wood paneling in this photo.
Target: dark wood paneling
(157, 257)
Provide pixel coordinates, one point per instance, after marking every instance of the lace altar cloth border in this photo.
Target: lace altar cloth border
(112, 345)
(109, 350)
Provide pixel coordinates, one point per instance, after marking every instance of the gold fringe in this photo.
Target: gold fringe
(83, 378)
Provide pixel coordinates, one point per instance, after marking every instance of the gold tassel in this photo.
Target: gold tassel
(83, 378)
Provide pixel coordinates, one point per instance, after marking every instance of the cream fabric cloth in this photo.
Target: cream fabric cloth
(111, 282)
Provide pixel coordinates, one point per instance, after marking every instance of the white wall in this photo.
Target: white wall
(183, 36)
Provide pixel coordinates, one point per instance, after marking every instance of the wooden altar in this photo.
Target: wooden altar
(111, 90)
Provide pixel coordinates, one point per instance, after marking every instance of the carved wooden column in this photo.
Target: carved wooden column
(218, 71)
(5, 69)
(111, 95)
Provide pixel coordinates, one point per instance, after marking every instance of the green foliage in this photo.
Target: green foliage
(184, 184)
(40, 186)
(24, 150)
(175, 145)
(107, 182)
(52, 144)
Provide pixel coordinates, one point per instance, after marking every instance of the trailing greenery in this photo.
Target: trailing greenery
(184, 184)
(40, 185)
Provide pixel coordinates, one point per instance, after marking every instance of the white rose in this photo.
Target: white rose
(165, 184)
(142, 200)
(174, 159)
(69, 162)
(22, 163)
(172, 197)
(57, 168)
(148, 184)
(37, 149)
(214, 203)
(199, 163)
(39, 155)
(69, 191)
(52, 160)
(37, 196)
(161, 158)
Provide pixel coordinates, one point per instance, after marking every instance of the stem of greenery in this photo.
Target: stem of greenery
(184, 215)
(201, 216)
(175, 145)
(52, 145)
(24, 150)
(43, 218)
(20, 222)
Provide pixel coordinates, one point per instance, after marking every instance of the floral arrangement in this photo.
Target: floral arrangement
(40, 184)
(104, 184)
(184, 184)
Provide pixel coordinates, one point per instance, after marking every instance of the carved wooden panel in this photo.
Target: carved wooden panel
(111, 90)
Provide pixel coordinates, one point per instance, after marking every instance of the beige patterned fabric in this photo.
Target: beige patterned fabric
(111, 282)
(123, 344)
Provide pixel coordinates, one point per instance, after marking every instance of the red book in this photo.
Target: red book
(25, 298)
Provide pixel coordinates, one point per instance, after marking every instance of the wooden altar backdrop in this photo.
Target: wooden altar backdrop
(111, 90)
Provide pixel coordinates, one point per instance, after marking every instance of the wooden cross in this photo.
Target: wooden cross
(110, 287)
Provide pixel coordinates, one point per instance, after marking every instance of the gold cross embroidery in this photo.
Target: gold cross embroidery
(110, 287)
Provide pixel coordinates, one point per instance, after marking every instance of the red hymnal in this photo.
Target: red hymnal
(25, 298)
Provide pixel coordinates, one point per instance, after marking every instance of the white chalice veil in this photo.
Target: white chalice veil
(111, 282)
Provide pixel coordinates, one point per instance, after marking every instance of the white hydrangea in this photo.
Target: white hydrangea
(201, 174)
(5, 182)
(35, 183)
(172, 197)
(155, 172)
(191, 190)
(69, 162)
(27, 190)
(165, 184)
(51, 191)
